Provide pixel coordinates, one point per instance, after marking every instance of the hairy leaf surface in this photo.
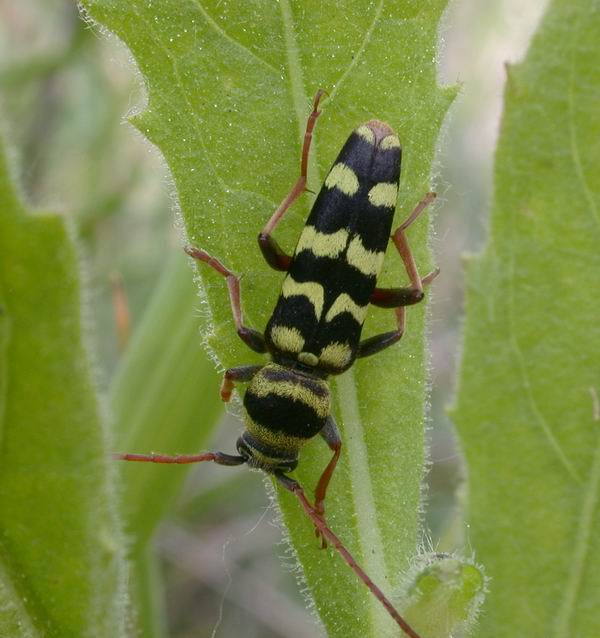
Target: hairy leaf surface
(229, 90)
(527, 412)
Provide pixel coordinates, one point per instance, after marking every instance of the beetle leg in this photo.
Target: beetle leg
(324, 530)
(241, 373)
(398, 298)
(252, 338)
(380, 342)
(408, 296)
(332, 437)
(272, 252)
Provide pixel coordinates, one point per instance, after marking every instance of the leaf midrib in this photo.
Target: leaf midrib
(365, 513)
(368, 532)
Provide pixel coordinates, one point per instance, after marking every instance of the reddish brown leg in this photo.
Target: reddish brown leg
(380, 342)
(392, 297)
(399, 297)
(399, 239)
(182, 459)
(121, 310)
(332, 437)
(327, 534)
(252, 338)
(270, 249)
(242, 373)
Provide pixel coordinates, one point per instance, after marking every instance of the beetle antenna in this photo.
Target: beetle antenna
(326, 532)
(216, 457)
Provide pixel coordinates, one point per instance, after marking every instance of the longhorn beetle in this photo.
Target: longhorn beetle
(315, 328)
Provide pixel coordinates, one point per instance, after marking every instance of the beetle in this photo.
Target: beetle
(315, 328)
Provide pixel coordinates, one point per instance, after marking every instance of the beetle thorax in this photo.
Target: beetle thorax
(285, 408)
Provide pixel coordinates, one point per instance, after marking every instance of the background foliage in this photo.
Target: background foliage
(62, 566)
(528, 396)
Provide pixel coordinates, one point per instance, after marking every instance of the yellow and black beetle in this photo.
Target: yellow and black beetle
(315, 328)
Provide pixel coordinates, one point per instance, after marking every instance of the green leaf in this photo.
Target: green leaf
(61, 556)
(527, 409)
(229, 90)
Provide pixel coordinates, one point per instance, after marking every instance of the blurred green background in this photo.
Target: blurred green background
(65, 91)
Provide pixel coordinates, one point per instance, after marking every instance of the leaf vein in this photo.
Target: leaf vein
(591, 494)
(516, 348)
(222, 33)
(582, 546)
(194, 117)
(360, 52)
(574, 143)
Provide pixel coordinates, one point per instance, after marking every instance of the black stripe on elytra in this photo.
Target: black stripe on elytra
(370, 162)
(284, 415)
(293, 312)
(335, 275)
(297, 312)
(333, 210)
(343, 328)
